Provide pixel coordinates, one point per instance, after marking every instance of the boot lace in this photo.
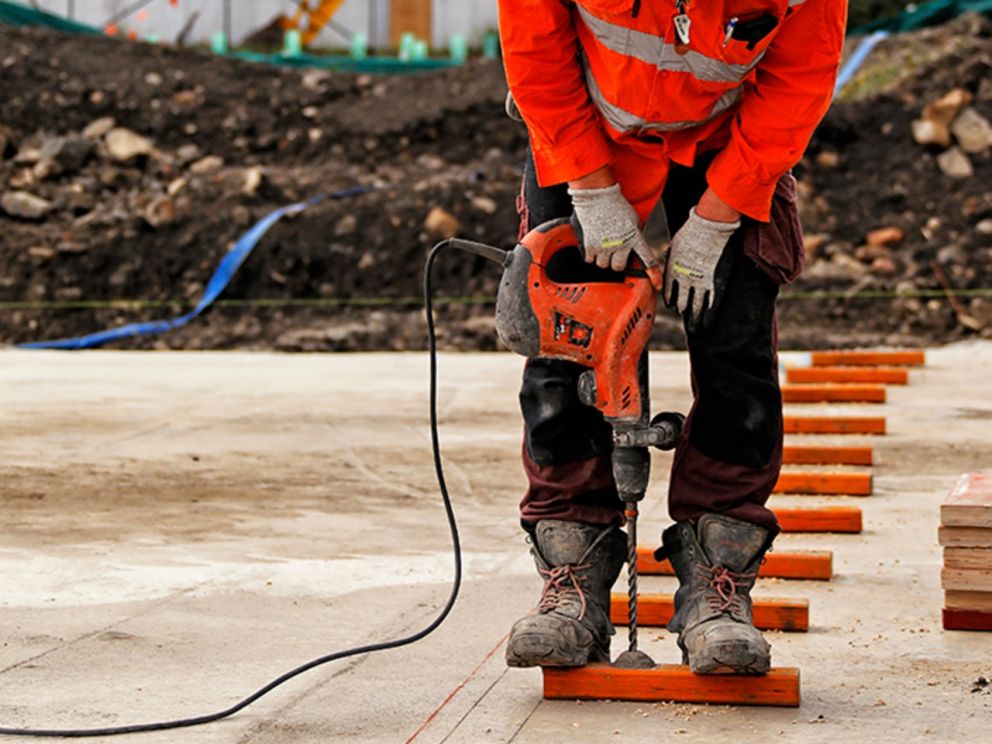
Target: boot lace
(559, 583)
(723, 583)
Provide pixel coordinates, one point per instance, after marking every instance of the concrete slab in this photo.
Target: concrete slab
(179, 528)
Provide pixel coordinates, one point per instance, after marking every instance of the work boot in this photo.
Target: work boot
(716, 563)
(571, 626)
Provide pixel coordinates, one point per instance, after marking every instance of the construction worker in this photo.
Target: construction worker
(705, 105)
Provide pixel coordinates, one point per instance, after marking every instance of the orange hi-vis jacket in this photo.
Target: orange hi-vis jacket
(609, 82)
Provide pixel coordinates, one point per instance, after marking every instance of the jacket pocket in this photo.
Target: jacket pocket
(746, 37)
(604, 8)
(777, 246)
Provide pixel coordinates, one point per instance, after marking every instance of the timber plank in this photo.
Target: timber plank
(981, 601)
(965, 537)
(833, 393)
(672, 683)
(968, 559)
(834, 425)
(812, 455)
(969, 503)
(845, 519)
(966, 580)
(811, 564)
(880, 375)
(829, 484)
(967, 619)
(901, 358)
(768, 613)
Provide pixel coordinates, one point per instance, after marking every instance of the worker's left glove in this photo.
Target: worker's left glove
(609, 230)
(695, 276)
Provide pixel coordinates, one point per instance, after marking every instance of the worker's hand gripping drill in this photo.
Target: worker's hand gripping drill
(696, 273)
(609, 230)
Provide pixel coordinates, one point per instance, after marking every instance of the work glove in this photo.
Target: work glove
(608, 229)
(695, 276)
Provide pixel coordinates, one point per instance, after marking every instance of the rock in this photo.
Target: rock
(984, 227)
(441, 224)
(346, 225)
(871, 252)
(955, 164)
(29, 153)
(885, 236)
(884, 266)
(946, 108)
(41, 252)
(188, 153)
(813, 243)
(205, 165)
(123, 145)
(485, 204)
(926, 133)
(972, 131)
(253, 179)
(153, 79)
(25, 206)
(160, 211)
(62, 155)
(99, 128)
(828, 159)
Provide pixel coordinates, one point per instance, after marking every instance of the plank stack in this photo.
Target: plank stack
(966, 536)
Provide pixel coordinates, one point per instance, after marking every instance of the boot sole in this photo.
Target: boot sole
(532, 651)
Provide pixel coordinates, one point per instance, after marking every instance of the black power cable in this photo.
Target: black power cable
(384, 646)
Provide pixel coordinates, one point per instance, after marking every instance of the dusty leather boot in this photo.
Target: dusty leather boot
(716, 563)
(571, 625)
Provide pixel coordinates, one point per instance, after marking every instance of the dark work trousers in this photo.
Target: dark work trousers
(730, 452)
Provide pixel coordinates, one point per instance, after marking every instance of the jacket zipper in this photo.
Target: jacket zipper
(636, 10)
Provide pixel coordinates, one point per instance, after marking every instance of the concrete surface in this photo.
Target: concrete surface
(179, 528)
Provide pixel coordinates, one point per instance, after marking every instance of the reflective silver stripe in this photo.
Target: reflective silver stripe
(624, 121)
(656, 51)
(793, 3)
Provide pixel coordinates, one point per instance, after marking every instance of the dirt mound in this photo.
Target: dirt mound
(126, 172)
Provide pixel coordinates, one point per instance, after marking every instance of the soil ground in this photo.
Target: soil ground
(346, 275)
(179, 528)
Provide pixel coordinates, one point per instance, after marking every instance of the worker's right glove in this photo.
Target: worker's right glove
(695, 276)
(609, 229)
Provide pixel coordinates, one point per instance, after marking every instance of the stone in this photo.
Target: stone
(41, 252)
(441, 224)
(205, 165)
(485, 204)
(61, 155)
(160, 211)
(253, 179)
(123, 145)
(885, 236)
(153, 79)
(25, 206)
(946, 108)
(972, 131)
(984, 227)
(98, 128)
(926, 133)
(872, 252)
(883, 265)
(188, 153)
(828, 158)
(813, 244)
(346, 225)
(955, 164)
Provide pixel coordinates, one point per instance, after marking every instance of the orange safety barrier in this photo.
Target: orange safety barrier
(834, 425)
(905, 358)
(833, 393)
(672, 683)
(828, 484)
(806, 455)
(810, 564)
(880, 375)
(822, 519)
(768, 613)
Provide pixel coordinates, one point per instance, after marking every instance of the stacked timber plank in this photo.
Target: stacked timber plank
(966, 536)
